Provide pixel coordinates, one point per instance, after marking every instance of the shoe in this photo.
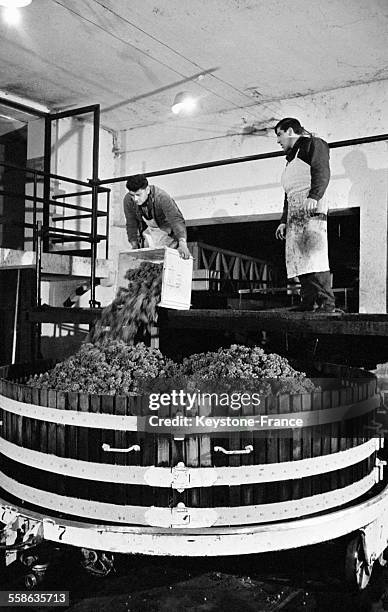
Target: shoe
(329, 309)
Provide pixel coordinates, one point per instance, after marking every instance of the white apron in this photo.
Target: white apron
(306, 237)
(154, 237)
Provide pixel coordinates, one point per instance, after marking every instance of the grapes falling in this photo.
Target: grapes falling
(114, 360)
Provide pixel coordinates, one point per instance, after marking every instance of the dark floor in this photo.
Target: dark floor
(310, 579)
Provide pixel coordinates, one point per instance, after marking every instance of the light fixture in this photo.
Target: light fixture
(11, 12)
(183, 103)
(11, 15)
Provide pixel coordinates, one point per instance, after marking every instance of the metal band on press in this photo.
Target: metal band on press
(195, 477)
(95, 420)
(193, 517)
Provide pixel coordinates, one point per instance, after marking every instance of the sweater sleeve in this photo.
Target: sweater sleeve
(131, 222)
(320, 168)
(173, 215)
(285, 210)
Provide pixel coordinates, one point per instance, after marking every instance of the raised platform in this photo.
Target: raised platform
(280, 319)
(352, 324)
(54, 314)
(54, 264)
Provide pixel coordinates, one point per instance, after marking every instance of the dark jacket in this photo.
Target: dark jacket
(161, 207)
(315, 152)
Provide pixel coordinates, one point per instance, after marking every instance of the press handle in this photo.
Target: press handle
(220, 449)
(108, 449)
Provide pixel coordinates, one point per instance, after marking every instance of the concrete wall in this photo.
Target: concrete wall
(253, 188)
(251, 191)
(35, 152)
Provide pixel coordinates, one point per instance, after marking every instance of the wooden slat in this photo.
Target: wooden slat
(285, 448)
(71, 432)
(54, 484)
(150, 495)
(334, 479)
(317, 442)
(83, 441)
(60, 450)
(272, 443)
(61, 439)
(191, 459)
(96, 437)
(18, 420)
(205, 456)
(330, 435)
(260, 453)
(246, 438)
(119, 440)
(132, 408)
(235, 443)
(48, 481)
(26, 423)
(167, 452)
(107, 407)
(297, 446)
(307, 442)
(107, 491)
(8, 417)
(52, 427)
(43, 425)
(13, 393)
(35, 425)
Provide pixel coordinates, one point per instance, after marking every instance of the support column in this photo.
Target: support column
(372, 188)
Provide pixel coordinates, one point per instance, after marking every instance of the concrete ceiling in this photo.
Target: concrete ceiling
(239, 57)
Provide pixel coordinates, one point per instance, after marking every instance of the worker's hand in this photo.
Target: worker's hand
(310, 205)
(280, 233)
(321, 207)
(183, 250)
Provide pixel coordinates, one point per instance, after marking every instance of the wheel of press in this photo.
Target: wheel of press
(357, 570)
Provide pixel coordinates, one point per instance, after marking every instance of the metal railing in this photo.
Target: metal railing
(52, 233)
(234, 270)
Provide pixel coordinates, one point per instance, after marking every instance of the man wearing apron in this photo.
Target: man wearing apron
(152, 217)
(304, 220)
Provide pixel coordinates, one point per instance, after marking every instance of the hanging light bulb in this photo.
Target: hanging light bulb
(183, 103)
(11, 13)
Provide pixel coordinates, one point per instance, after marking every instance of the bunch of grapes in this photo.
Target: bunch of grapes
(242, 367)
(133, 311)
(111, 368)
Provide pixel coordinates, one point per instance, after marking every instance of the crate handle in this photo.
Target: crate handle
(108, 449)
(220, 449)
